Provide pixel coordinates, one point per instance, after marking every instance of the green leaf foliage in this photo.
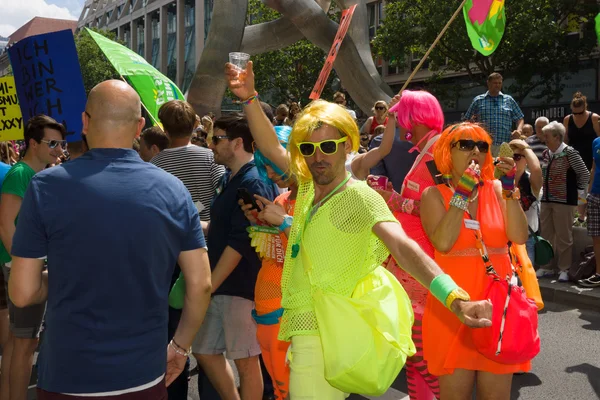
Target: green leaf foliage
(536, 50)
(95, 67)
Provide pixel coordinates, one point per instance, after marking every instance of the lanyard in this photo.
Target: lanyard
(489, 268)
(313, 210)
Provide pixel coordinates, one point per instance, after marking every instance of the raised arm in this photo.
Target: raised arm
(242, 85)
(363, 163)
(535, 172)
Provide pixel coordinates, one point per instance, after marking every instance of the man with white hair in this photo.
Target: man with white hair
(536, 142)
(565, 178)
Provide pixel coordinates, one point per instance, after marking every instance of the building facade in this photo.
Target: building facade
(169, 34)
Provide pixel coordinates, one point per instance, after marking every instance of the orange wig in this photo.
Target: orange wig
(442, 154)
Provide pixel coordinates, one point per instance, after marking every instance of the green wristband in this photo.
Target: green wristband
(441, 287)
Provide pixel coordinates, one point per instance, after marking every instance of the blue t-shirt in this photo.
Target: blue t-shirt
(596, 172)
(112, 227)
(4, 168)
(228, 228)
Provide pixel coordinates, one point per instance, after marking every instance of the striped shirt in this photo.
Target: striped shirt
(195, 167)
(496, 113)
(537, 146)
(564, 174)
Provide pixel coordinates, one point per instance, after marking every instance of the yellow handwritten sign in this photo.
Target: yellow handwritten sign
(11, 120)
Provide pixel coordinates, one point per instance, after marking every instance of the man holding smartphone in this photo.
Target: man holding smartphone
(229, 326)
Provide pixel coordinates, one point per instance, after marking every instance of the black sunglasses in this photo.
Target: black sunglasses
(216, 139)
(469, 145)
(517, 157)
(380, 108)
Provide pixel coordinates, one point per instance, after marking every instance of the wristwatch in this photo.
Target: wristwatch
(457, 294)
(287, 222)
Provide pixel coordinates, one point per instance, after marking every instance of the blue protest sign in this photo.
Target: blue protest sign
(48, 79)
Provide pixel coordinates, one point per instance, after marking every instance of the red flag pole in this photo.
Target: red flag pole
(435, 42)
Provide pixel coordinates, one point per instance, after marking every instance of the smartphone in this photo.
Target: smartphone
(247, 197)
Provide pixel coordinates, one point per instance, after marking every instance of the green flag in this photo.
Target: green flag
(597, 19)
(154, 88)
(485, 20)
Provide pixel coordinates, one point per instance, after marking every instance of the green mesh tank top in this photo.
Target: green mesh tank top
(341, 246)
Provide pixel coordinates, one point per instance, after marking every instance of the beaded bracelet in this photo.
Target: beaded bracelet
(249, 100)
(459, 202)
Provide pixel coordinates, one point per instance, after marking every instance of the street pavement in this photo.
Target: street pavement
(567, 368)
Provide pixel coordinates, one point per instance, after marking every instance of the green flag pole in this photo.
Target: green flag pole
(435, 42)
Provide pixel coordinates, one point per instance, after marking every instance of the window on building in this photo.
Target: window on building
(416, 59)
(374, 17)
(190, 45)
(119, 10)
(127, 38)
(171, 44)
(208, 10)
(140, 38)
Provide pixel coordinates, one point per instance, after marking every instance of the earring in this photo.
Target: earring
(408, 135)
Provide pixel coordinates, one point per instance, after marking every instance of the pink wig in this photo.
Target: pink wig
(418, 107)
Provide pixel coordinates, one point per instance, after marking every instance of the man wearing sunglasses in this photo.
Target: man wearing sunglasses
(337, 232)
(44, 143)
(497, 112)
(229, 327)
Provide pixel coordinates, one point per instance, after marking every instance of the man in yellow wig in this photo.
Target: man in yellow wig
(342, 230)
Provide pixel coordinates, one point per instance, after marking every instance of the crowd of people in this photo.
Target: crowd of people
(135, 249)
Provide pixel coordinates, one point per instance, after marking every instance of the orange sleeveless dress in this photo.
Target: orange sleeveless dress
(447, 342)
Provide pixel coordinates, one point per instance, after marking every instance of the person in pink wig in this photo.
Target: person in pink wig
(420, 119)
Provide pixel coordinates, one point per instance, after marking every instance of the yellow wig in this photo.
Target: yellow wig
(442, 154)
(315, 115)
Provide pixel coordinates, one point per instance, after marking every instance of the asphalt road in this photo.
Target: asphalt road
(568, 366)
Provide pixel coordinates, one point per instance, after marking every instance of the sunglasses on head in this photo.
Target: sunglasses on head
(469, 145)
(55, 143)
(327, 147)
(380, 108)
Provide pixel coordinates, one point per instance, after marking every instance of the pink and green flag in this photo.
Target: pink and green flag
(485, 20)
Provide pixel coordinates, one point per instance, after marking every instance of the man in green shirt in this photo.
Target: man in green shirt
(44, 141)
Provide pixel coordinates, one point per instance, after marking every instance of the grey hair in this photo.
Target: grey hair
(542, 119)
(556, 128)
